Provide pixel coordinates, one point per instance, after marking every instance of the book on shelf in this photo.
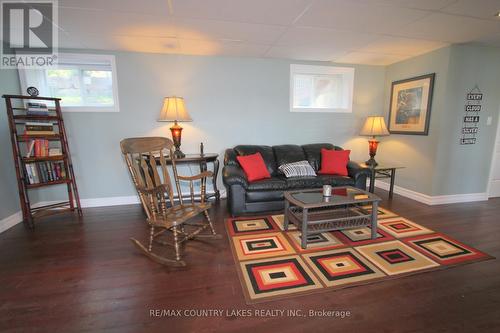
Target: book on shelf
(41, 148)
(29, 174)
(30, 148)
(37, 105)
(44, 172)
(39, 123)
(38, 128)
(48, 165)
(39, 132)
(35, 173)
(55, 152)
(37, 113)
(37, 109)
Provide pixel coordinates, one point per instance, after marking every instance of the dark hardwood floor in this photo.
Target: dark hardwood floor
(67, 277)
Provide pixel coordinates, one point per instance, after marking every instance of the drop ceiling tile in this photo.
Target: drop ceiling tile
(401, 46)
(217, 47)
(301, 52)
(418, 4)
(367, 58)
(201, 47)
(210, 29)
(127, 43)
(449, 28)
(68, 41)
(147, 44)
(357, 16)
(485, 9)
(153, 7)
(318, 37)
(120, 23)
(281, 12)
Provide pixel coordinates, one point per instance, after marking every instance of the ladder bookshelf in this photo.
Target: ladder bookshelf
(53, 170)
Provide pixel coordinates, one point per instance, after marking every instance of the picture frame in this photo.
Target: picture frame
(410, 105)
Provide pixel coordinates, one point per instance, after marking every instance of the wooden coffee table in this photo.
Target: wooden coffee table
(312, 213)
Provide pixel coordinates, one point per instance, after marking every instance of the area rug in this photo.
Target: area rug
(272, 265)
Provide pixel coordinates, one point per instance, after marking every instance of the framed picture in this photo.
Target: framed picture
(410, 108)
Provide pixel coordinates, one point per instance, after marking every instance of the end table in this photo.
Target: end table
(383, 171)
(202, 161)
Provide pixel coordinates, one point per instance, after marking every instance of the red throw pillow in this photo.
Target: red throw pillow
(254, 167)
(334, 162)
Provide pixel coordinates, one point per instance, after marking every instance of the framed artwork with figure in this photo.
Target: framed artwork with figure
(410, 108)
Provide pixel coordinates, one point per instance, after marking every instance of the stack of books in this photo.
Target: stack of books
(40, 148)
(37, 109)
(43, 172)
(39, 128)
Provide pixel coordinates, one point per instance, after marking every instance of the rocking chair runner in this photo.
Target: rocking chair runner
(142, 156)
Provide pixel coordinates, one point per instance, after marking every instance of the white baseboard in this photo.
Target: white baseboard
(16, 218)
(109, 201)
(10, 221)
(436, 199)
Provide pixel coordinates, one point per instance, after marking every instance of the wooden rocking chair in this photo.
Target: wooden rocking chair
(144, 156)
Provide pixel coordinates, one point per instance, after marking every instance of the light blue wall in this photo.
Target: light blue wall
(465, 168)
(9, 200)
(437, 164)
(231, 100)
(416, 152)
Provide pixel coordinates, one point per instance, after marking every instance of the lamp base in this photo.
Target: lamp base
(371, 162)
(176, 137)
(372, 147)
(178, 153)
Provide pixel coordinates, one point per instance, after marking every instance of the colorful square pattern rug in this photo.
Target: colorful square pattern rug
(272, 265)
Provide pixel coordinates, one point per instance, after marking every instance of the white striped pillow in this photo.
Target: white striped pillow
(297, 169)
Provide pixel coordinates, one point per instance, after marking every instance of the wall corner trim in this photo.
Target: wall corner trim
(434, 200)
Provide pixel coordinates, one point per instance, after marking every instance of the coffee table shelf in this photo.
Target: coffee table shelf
(322, 220)
(312, 213)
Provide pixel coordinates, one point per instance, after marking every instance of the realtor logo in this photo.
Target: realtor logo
(29, 33)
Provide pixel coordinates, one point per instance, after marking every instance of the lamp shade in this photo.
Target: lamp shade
(174, 109)
(374, 126)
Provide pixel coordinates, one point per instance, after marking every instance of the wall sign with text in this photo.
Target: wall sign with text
(470, 121)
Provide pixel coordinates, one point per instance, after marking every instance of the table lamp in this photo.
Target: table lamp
(374, 126)
(174, 110)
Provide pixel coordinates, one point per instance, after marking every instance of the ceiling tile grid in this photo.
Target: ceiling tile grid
(375, 32)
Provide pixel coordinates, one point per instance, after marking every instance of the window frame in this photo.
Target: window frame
(83, 62)
(347, 76)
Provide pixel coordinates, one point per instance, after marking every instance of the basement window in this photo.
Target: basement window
(84, 82)
(321, 88)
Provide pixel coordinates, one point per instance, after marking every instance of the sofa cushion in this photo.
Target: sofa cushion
(334, 162)
(266, 152)
(270, 184)
(285, 154)
(336, 180)
(313, 153)
(254, 167)
(303, 182)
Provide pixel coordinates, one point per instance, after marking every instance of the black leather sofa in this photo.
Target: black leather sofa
(267, 194)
